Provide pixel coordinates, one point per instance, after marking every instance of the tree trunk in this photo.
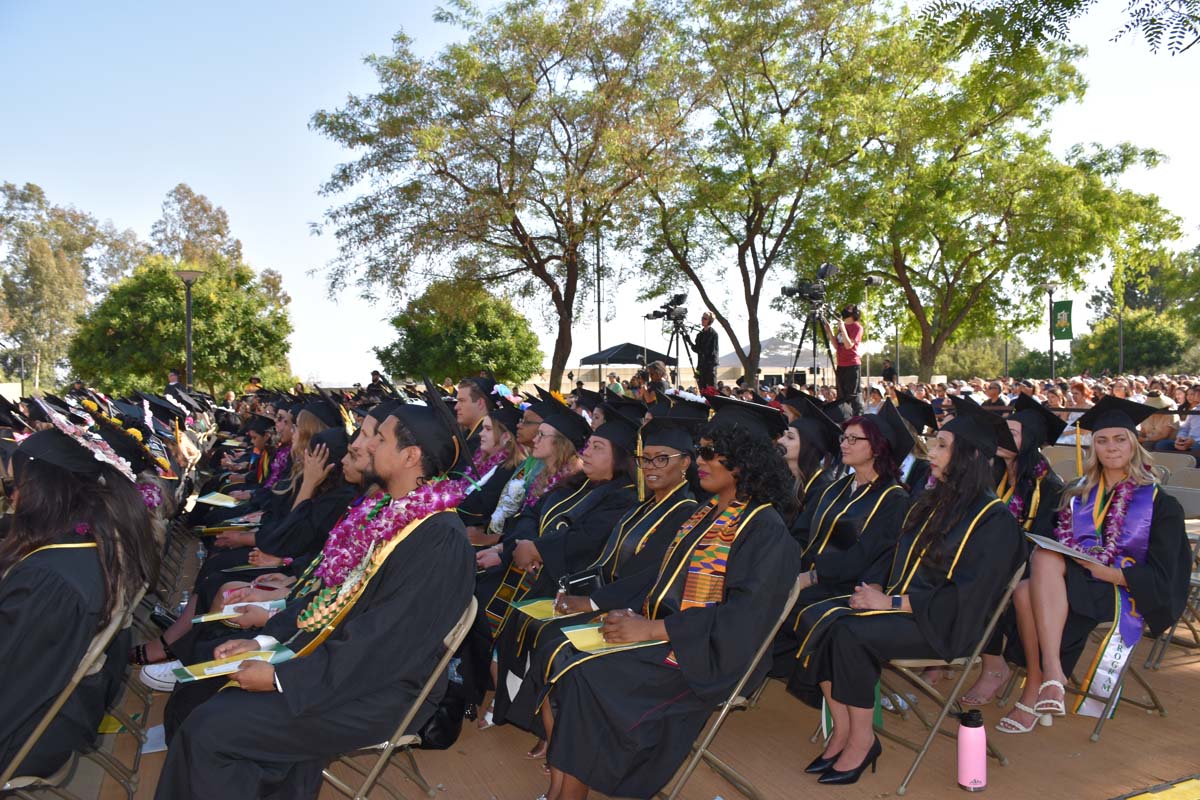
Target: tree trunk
(926, 356)
(562, 349)
(37, 369)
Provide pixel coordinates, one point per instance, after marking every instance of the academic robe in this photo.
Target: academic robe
(915, 477)
(636, 544)
(51, 606)
(349, 692)
(625, 721)
(953, 587)
(812, 490)
(1159, 586)
(847, 532)
(477, 507)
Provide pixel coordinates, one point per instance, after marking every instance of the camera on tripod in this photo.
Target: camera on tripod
(672, 310)
(812, 292)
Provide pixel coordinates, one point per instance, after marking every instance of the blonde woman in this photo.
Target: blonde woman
(1133, 569)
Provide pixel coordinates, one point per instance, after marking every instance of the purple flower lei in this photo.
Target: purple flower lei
(352, 538)
(532, 497)
(1016, 503)
(277, 464)
(1107, 551)
(483, 464)
(151, 495)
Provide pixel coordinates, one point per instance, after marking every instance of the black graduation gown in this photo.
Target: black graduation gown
(477, 507)
(1159, 586)
(625, 721)
(850, 533)
(636, 544)
(51, 605)
(813, 489)
(952, 589)
(350, 692)
(917, 477)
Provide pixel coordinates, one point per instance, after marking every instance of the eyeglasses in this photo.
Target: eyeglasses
(707, 453)
(851, 439)
(658, 461)
(528, 422)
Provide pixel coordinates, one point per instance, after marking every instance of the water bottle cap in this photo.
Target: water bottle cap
(972, 718)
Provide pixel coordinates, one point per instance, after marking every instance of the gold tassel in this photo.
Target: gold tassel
(641, 475)
(1078, 452)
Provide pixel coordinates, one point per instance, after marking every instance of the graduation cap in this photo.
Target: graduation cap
(10, 415)
(507, 414)
(814, 425)
(1039, 424)
(487, 387)
(837, 410)
(1114, 412)
(571, 425)
(633, 408)
(916, 412)
(260, 424)
(437, 432)
(619, 429)
(677, 428)
(589, 399)
(163, 410)
(126, 445)
(755, 418)
(325, 410)
(55, 447)
(335, 440)
(980, 427)
(891, 425)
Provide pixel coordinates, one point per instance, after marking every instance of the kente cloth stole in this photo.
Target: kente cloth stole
(705, 582)
(1133, 541)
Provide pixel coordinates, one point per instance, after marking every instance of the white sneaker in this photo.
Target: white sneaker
(160, 677)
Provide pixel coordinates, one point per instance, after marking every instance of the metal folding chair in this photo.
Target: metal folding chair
(93, 659)
(909, 670)
(402, 741)
(736, 701)
(1118, 695)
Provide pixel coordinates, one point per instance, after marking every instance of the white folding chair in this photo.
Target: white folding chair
(910, 670)
(736, 701)
(1174, 461)
(1188, 478)
(402, 741)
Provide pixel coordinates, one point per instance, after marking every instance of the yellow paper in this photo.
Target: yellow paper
(538, 609)
(218, 499)
(221, 666)
(587, 639)
(219, 529)
(215, 616)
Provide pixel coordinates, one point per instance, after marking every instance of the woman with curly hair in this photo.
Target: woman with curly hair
(957, 549)
(698, 621)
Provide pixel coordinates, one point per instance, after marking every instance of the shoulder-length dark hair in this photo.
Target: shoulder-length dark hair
(886, 463)
(762, 474)
(809, 459)
(52, 501)
(968, 475)
(624, 469)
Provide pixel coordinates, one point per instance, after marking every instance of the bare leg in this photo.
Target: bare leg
(556, 784)
(1048, 596)
(862, 736)
(572, 789)
(1029, 643)
(993, 674)
(841, 722)
(154, 648)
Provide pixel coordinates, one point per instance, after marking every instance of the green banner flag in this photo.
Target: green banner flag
(1061, 312)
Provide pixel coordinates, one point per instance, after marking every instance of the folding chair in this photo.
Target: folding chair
(736, 701)
(1174, 461)
(92, 661)
(402, 741)
(1118, 695)
(909, 669)
(1189, 499)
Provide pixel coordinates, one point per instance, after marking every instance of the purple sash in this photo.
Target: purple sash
(1133, 540)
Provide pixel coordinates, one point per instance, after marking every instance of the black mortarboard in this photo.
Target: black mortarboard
(1039, 424)
(163, 410)
(57, 448)
(814, 425)
(335, 439)
(507, 414)
(487, 387)
(260, 424)
(631, 407)
(891, 425)
(980, 427)
(1114, 412)
(755, 418)
(550, 403)
(916, 412)
(126, 446)
(571, 425)
(618, 429)
(435, 429)
(588, 399)
(837, 410)
(326, 411)
(677, 428)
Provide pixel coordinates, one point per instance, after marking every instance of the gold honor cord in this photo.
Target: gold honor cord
(78, 546)
(808, 484)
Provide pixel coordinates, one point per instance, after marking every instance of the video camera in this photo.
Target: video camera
(812, 292)
(672, 310)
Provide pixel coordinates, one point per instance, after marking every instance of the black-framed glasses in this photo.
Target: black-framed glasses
(707, 452)
(659, 461)
(851, 439)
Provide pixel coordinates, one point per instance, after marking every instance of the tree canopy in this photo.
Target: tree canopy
(135, 334)
(1153, 343)
(457, 328)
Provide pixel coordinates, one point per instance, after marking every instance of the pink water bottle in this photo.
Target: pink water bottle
(972, 751)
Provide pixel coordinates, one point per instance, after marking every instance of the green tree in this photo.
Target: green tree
(505, 154)
(962, 210)
(781, 90)
(193, 229)
(457, 328)
(1153, 342)
(980, 357)
(135, 334)
(1035, 364)
(1168, 283)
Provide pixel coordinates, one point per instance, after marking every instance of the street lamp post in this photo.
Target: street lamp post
(1050, 286)
(188, 276)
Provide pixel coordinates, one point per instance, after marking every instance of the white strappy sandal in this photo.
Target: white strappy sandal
(1010, 725)
(1051, 705)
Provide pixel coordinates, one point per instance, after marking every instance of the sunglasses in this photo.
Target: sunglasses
(707, 453)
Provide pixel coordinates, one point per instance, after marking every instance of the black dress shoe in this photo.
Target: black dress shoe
(849, 776)
(821, 764)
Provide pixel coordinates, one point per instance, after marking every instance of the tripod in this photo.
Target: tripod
(813, 321)
(675, 340)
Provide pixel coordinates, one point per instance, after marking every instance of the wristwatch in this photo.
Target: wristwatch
(897, 602)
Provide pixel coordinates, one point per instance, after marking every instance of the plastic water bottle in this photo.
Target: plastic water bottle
(183, 601)
(972, 751)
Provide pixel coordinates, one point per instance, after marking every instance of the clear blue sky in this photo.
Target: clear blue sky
(108, 105)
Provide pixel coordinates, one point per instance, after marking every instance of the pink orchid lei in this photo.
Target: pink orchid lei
(1115, 522)
(533, 496)
(378, 520)
(1016, 503)
(151, 495)
(482, 464)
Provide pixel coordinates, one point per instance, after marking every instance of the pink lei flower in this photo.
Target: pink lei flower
(532, 496)
(1106, 548)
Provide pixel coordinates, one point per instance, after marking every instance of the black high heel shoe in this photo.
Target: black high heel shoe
(821, 764)
(850, 776)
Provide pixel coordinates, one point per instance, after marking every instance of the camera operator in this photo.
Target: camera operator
(706, 349)
(845, 341)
